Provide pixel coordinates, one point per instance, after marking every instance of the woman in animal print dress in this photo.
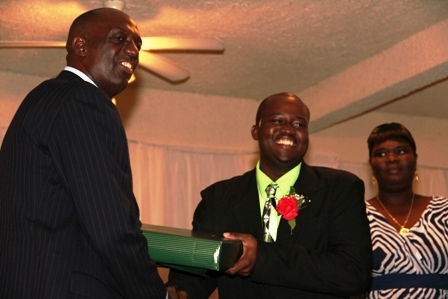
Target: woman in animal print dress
(409, 231)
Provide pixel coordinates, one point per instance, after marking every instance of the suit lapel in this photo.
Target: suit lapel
(306, 185)
(246, 207)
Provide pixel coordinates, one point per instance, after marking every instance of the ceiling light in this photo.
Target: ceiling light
(117, 4)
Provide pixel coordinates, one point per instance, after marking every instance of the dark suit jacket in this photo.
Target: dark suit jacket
(69, 222)
(328, 255)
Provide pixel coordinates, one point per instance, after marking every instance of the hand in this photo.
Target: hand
(173, 293)
(245, 265)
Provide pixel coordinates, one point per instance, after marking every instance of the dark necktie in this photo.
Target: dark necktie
(270, 190)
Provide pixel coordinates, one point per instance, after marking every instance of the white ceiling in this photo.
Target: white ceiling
(343, 57)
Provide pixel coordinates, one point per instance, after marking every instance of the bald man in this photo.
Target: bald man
(69, 221)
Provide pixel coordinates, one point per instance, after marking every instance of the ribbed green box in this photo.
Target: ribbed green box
(189, 250)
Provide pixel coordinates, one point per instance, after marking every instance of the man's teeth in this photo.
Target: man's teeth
(285, 142)
(127, 64)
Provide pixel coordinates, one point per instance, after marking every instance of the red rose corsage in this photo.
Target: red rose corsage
(289, 206)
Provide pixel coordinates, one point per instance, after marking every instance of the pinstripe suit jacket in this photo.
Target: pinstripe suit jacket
(69, 221)
(328, 255)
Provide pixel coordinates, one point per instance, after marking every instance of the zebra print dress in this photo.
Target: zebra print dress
(415, 265)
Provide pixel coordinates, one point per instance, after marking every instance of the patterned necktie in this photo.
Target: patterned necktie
(270, 190)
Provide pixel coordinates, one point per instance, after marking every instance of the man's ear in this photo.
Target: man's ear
(254, 132)
(79, 46)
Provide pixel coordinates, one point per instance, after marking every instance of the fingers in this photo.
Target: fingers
(173, 293)
(245, 265)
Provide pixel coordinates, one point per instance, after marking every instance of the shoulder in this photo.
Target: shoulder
(67, 80)
(439, 199)
(55, 92)
(66, 91)
(233, 183)
(222, 200)
(439, 203)
(329, 182)
(45, 101)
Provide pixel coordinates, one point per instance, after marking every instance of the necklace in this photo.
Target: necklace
(403, 230)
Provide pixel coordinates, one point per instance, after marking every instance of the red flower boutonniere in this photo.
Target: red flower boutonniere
(289, 206)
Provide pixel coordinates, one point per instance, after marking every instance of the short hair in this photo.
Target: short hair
(263, 103)
(390, 131)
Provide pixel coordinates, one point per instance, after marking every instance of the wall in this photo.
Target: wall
(348, 140)
(187, 119)
(213, 123)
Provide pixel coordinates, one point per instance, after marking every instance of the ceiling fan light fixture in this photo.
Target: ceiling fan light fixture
(117, 4)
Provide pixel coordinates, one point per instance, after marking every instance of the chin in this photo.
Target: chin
(119, 88)
(288, 156)
(289, 160)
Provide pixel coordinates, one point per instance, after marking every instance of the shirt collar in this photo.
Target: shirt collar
(80, 74)
(285, 182)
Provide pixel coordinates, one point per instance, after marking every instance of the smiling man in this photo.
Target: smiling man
(323, 251)
(69, 221)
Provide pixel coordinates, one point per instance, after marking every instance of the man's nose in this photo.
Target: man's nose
(131, 49)
(287, 127)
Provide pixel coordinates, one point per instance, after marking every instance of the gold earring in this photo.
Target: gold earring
(416, 175)
(374, 180)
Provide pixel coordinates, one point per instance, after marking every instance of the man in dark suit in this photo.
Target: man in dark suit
(69, 221)
(323, 252)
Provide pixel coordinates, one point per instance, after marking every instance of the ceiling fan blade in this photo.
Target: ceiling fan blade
(149, 61)
(163, 67)
(153, 43)
(31, 44)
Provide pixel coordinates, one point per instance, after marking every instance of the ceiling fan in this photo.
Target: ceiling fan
(150, 61)
(147, 58)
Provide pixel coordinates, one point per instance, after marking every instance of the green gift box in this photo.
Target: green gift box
(191, 251)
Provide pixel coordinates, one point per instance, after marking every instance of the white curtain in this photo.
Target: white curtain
(168, 179)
